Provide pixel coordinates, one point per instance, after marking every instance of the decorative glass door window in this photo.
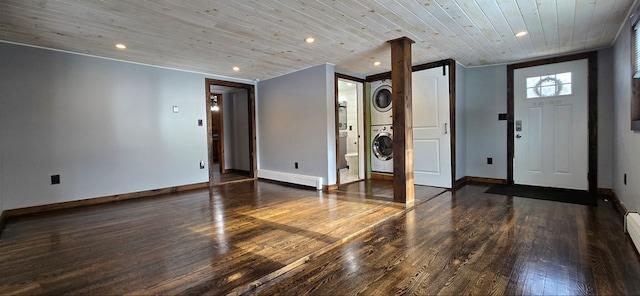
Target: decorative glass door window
(549, 85)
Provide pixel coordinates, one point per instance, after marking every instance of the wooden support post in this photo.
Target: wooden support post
(403, 187)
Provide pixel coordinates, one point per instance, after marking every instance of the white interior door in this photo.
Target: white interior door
(551, 131)
(431, 139)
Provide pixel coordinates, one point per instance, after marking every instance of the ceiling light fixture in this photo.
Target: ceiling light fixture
(310, 40)
(121, 46)
(521, 33)
(236, 68)
(214, 103)
(376, 63)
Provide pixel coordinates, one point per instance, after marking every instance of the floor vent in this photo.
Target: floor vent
(632, 226)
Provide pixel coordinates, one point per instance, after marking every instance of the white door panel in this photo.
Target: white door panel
(431, 139)
(551, 149)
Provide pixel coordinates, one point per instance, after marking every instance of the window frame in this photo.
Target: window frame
(635, 70)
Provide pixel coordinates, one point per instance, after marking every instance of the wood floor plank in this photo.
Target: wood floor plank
(267, 239)
(470, 242)
(224, 240)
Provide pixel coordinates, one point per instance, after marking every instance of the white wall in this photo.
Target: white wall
(461, 122)
(106, 127)
(296, 117)
(350, 95)
(486, 136)
(626, 143)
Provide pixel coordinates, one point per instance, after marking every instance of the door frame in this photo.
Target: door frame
(361, 129)
(252, 124)
(592, 59)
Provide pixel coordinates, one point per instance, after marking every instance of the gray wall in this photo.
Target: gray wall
(106, 127)
(486, 97)
(296, 117)
(605, 118)
(626, 143)
(236, 130)
(461, 122)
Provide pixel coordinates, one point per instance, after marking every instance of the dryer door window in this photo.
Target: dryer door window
(382, 98)
(383, 146)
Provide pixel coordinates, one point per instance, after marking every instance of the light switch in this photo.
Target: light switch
(175, 109)
(199, 122)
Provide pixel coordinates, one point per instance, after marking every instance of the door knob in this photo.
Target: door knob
(518, 136)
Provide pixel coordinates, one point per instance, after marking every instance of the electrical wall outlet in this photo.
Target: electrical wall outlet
(202, 165)
(489, 160)
(55, 179)
(296, 165)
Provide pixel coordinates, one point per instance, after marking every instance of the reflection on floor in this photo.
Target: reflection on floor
(229, 176)
(217, 241)
(345, 177)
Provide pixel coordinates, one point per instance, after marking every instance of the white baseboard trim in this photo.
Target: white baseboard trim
(315, 182)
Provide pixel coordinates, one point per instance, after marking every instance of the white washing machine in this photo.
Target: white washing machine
(382, 149)
(381, 113)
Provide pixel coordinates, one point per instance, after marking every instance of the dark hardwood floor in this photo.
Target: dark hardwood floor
(226, 240)
(469, 242)
(292, 241)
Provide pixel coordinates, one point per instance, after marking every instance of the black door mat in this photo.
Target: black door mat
(580, 197)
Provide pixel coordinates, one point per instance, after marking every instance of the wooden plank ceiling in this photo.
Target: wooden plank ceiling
(265, 38)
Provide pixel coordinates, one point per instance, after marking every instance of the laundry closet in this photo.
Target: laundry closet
(431, 126)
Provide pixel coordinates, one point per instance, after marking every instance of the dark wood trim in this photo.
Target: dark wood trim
(460, 182)
(486, 180)
(101, 200)
(592, 58)
(420, 67)
(619, 205)
(452, 117)
(329, 188)
(349, 77)
(605, 191)
(3, 218)
(336, 129)
(252, 124)
(510, 127)
(222, 161)
(381, 176)
(403, 189)
(593, 121)
(209, 124)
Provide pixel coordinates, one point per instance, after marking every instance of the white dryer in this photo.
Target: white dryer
(381, 102)
(382, 149)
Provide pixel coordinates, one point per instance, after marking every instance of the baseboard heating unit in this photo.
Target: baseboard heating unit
(311, 181)
(632, 227)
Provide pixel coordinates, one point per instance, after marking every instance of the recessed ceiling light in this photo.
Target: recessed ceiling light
(522, 33)
(121, 46)
(310, 40)
(376, 63)
(236, 68)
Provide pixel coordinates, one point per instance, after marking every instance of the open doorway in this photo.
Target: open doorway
(231, 131)
(349, 127)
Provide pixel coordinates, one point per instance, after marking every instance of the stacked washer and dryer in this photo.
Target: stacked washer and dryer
(381, 127)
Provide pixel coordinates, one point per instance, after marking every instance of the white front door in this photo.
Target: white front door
(551, 131)
(431, 135)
